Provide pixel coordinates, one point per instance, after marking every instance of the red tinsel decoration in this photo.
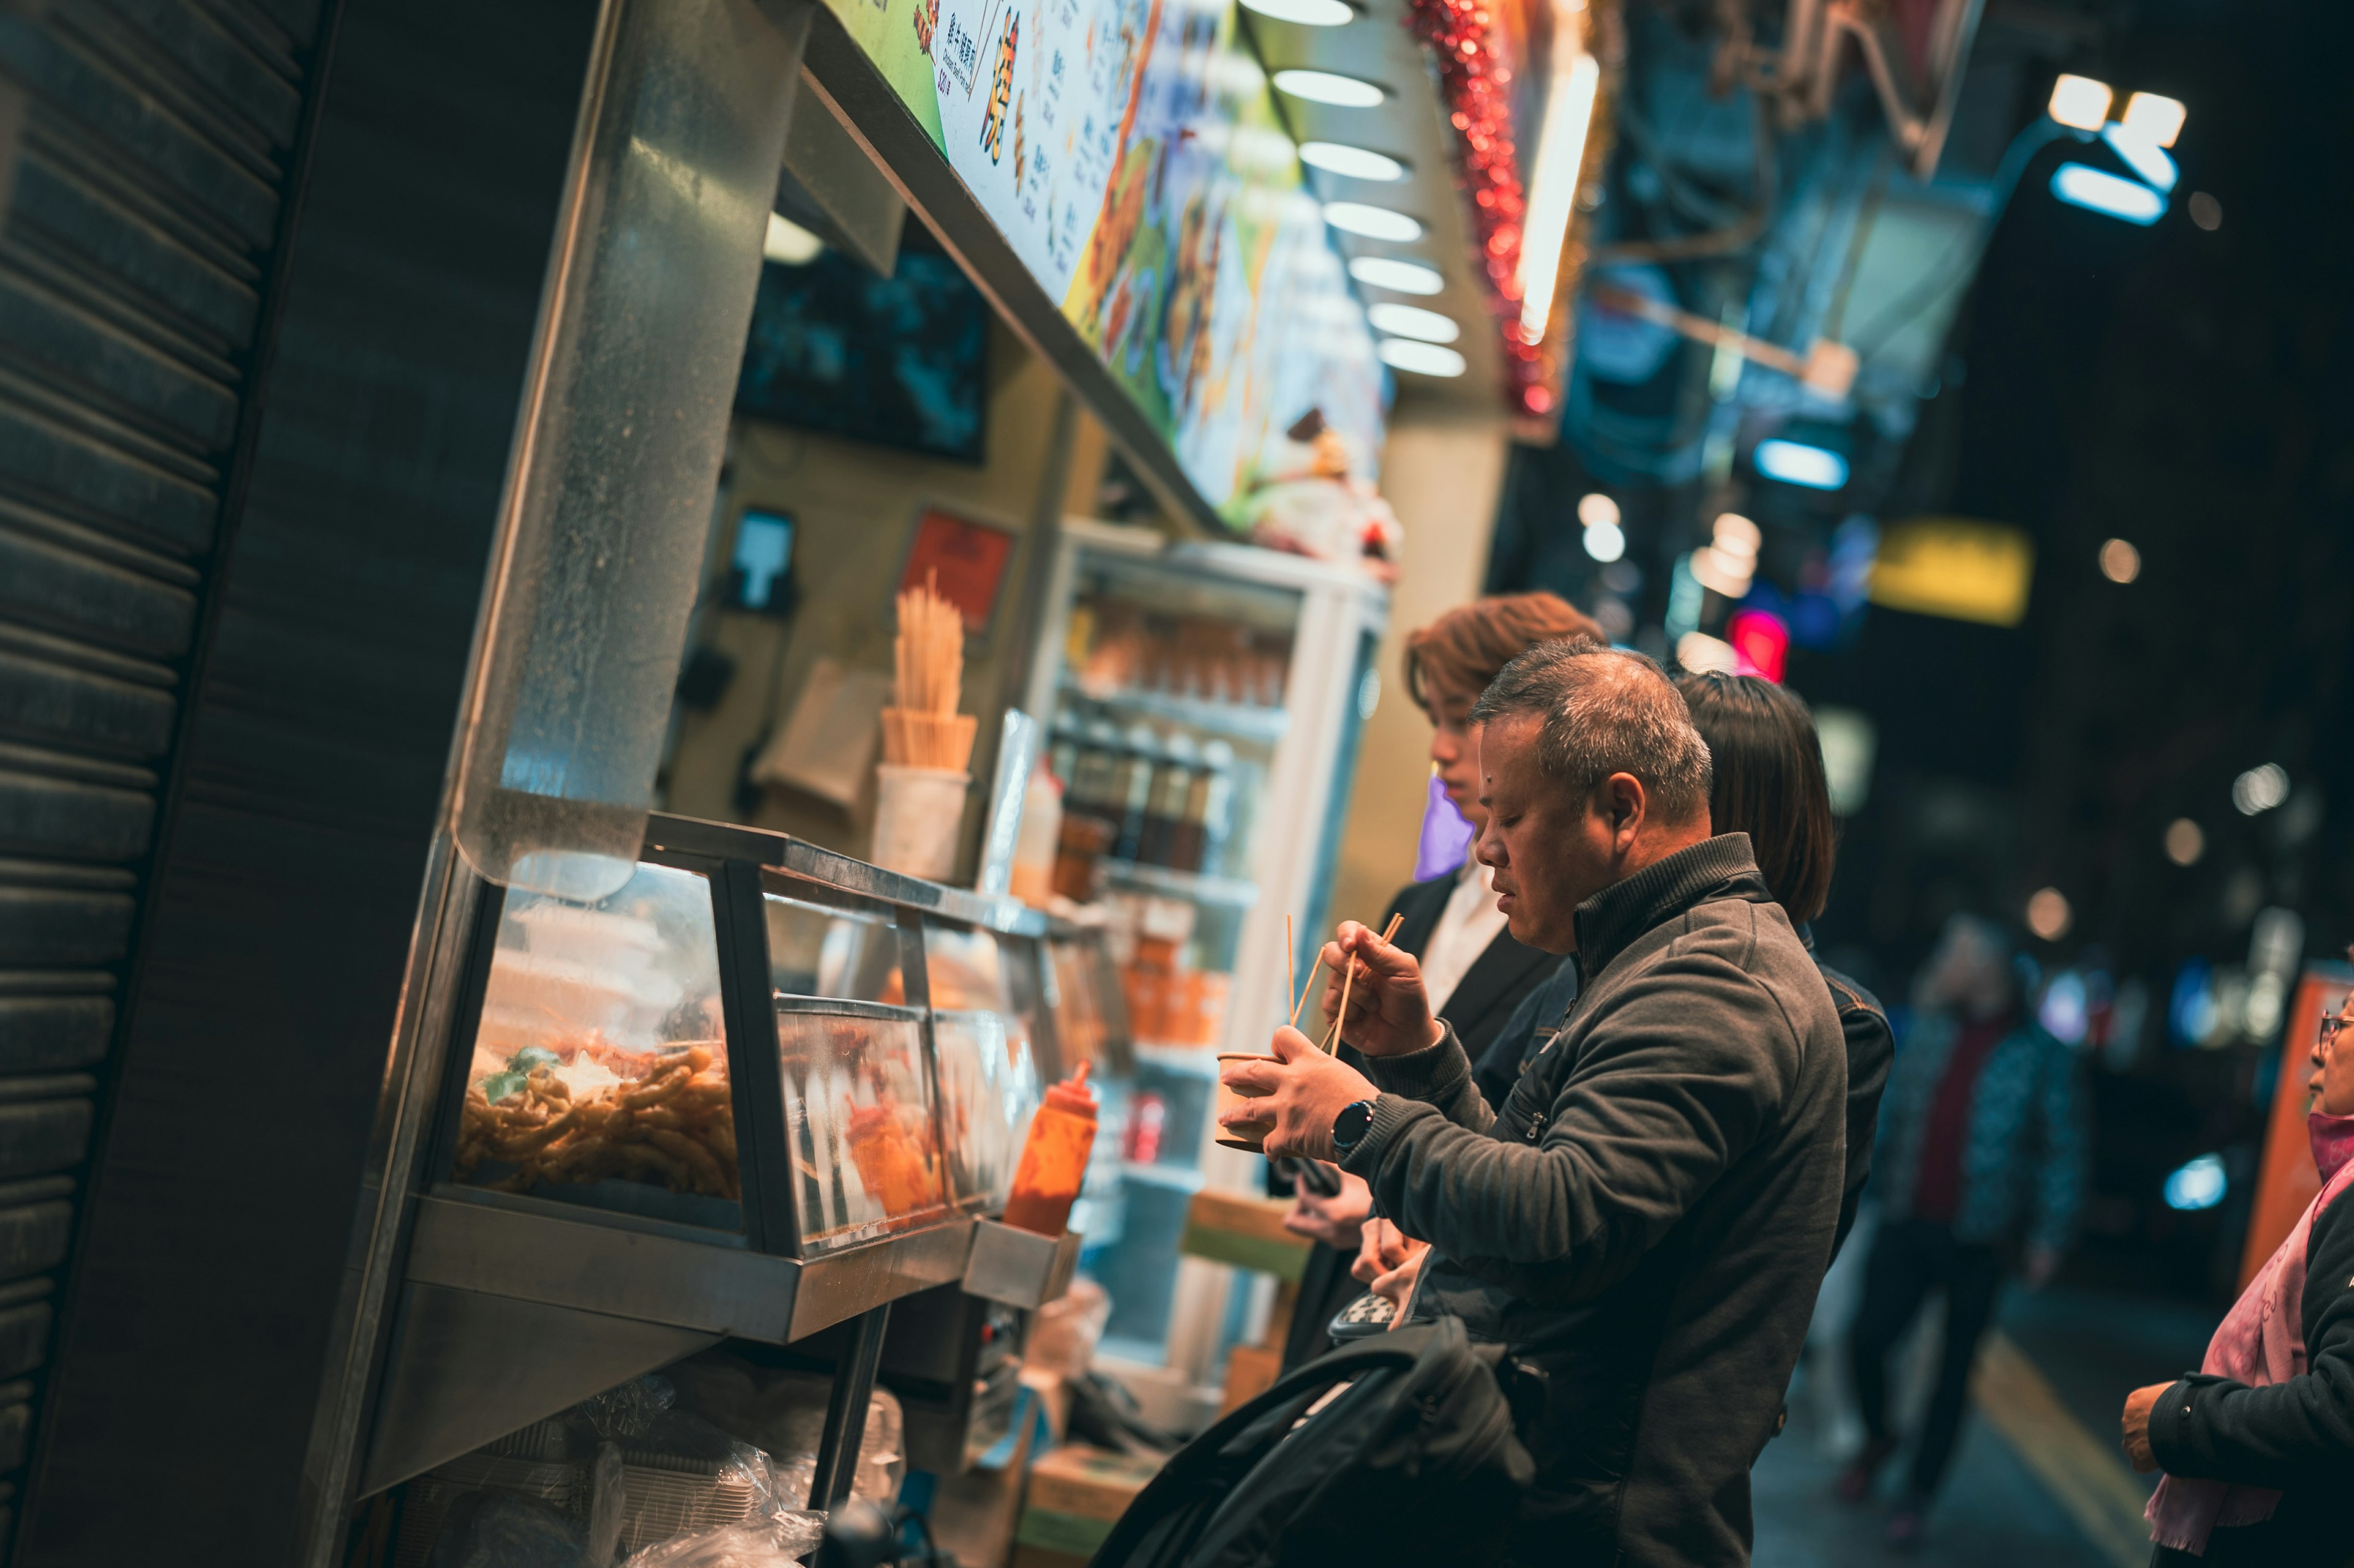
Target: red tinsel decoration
(1477, 86)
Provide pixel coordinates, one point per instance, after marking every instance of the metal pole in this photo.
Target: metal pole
(845, 1410)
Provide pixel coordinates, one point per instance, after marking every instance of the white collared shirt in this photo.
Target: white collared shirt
(1468, 923)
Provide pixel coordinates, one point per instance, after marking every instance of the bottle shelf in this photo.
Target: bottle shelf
(1234, 721)
(1227, 891)
(1192, 1060)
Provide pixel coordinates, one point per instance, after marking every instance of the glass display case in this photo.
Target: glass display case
(862, 1126)
(761, 1090)
(598, 1074)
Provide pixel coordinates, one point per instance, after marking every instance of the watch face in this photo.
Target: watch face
(1351, 1124)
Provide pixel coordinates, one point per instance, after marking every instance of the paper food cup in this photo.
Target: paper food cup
(1249, 1135)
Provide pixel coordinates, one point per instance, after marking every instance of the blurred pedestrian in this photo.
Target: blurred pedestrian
(1476, 971)
(1983, 1143)
(2257, 1444)
(1769, 784)
(1645, 1222)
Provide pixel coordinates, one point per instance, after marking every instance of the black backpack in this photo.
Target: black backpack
(1416, 1463)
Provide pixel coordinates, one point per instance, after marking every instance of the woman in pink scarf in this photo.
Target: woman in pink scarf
(2258, 1445)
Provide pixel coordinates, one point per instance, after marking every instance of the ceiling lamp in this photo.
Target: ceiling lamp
(1326, 87)
(1553, 192)
(1703, 654)
(790, 243)
(2080, 101)
(1372, 222)
(1413, 320)
(2142, 155)
(2081, 185)
(2155, 119)
(1307, 12)
(1794, 462)
(1421, 358)
(1398, 276)
(1354, 163)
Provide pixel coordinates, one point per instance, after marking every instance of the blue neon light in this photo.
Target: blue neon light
(2080, 185)
(2199, 1184)
(1793, 463)
(2143, 156)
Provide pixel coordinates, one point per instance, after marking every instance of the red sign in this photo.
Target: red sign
(1761, 644)
(964, 560)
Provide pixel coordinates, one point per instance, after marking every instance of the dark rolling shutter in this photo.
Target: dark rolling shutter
(151, 145)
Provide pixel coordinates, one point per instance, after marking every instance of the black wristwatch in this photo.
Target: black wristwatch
(1349, 1129)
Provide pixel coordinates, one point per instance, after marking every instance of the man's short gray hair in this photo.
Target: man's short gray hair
(1605, 711)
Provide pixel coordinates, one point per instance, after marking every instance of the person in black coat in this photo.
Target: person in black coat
(2256, 1452)
(1479, 975)
(1769, 784)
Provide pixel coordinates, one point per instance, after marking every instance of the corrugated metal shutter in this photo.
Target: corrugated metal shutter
(152, 144)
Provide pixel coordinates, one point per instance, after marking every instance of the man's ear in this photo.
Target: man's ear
(1630, 809)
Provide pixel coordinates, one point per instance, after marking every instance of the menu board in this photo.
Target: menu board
(1130, 151)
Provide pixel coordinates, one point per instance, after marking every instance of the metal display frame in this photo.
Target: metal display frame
(489, 1280)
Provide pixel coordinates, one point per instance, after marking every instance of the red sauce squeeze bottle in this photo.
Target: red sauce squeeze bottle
(1054, 1160)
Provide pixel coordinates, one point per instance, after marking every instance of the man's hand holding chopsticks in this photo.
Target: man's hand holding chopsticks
(1301, 1093)
(1388, 1012)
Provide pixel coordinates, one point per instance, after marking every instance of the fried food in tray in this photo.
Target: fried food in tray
(584, 1110)
(892, 1150)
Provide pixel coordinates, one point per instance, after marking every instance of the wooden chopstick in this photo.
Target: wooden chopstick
(1291, 966)
(1314, 969)
(1333, 1037)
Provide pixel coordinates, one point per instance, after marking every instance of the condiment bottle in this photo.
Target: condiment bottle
(1172, 782)
(1201, 838)
(1089, 821)
(1054, 1159)
(1132, 792)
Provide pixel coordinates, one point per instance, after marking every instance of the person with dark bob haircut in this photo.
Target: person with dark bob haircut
(1770, 783)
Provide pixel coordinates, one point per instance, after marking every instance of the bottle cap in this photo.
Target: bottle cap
(1073, 1095)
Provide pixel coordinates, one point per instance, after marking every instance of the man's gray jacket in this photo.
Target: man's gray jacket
(1646, 1222)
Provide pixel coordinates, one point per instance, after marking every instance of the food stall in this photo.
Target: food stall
(682, 1115)
(759, 1093)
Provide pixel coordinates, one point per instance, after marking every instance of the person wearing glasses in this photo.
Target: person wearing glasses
(2258, 1444)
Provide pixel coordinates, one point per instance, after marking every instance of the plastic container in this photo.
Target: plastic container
(918, 812)
(1054, 1159)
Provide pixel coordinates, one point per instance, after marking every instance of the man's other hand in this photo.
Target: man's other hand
(1300, 1093)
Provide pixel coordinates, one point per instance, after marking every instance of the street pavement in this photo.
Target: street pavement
(2037, 1481)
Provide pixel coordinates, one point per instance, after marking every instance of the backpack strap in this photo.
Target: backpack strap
(1302, 1385)
(1156, 1526)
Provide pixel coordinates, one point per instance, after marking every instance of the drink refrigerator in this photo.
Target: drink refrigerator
(1202, 704)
